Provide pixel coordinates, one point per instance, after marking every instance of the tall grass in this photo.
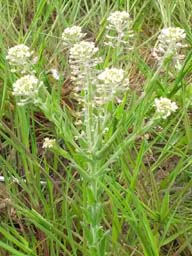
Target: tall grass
(132, 194)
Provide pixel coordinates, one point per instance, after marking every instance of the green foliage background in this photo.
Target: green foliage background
(146, 191)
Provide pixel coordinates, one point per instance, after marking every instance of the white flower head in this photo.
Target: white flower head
(172, 34)
(118, 20)
(72, 35)
(18, 55)
(111, 76)
(170, 44)
(165, 107)
(111, 83)
(119, 29)
(27, 87)
(83, 51)
(82, 61)
(48, 143)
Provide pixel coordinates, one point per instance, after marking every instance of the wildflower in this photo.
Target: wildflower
(165, 107)
(18, 55)
(118, 20)
(111, 75)
(55, 73)
(120, 23)
(26, 87)
(169, 45)
(48, 143)
(83, 52)
(112, 83)
(72, 35)
(82, 60)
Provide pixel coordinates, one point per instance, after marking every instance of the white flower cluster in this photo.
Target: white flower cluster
(20, 60)
(83, 52)
(120, 23)
(19, 57)
(111, 75)
(82, 60)
(107, 86)
(27, 88)
(48, 143)
(165, 107)
(72, 35)
(19, 54)
(169, 45)
(90, 88)
(112, 83)
(118, 20)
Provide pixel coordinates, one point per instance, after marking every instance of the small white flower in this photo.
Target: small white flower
(18, 55)
(48, 143)
(26, 87)
(170, 44)
(72, 35)
(165, 107)
(55, 73)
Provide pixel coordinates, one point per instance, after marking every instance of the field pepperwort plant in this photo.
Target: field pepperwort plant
(95, 129)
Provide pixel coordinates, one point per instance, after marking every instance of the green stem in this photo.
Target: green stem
(93, 216)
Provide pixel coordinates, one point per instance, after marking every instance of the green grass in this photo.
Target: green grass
(134, 191)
